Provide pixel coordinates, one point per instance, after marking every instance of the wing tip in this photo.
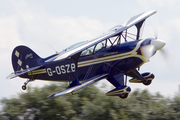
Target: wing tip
(11, 76)
(153, 12)
(50, 96)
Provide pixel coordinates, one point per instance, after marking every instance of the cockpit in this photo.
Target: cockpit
(88, 51)
(93, 49)
(75, 45)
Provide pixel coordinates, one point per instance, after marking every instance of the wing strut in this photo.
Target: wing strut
(138, 26)
(75, 82)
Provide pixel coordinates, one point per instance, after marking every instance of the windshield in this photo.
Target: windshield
(75, 45)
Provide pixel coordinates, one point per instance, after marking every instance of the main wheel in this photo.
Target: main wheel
(147, 82)
(24, 87)
(124, 95)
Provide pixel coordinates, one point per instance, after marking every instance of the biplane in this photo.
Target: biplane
(111, 56)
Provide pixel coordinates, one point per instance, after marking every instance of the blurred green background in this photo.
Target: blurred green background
(88, 104)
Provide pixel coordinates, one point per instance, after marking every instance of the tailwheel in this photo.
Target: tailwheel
(24, 87)
(123, 95)
(147, 82)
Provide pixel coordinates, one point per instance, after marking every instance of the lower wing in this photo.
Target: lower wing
(82, 85)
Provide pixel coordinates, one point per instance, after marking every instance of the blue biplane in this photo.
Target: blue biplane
(111, 56)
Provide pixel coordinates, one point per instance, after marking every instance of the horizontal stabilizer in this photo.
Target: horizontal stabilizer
(82, 85)
(21, 72)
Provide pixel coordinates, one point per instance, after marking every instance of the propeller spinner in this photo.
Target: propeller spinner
(158, 43)
(149, 50)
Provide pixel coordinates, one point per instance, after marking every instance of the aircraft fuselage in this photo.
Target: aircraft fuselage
(113, 60)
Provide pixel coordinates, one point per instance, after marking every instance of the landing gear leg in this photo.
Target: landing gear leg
(120, 82)
(24, 86)
(125, 95)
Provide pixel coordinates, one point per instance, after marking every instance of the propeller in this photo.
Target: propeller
(157, 45)
(167, 56)
(149, 50)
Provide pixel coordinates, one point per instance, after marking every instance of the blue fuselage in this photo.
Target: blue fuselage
(112, 60)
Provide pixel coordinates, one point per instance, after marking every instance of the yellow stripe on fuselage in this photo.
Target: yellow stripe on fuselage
(39, 71)
(109, 58)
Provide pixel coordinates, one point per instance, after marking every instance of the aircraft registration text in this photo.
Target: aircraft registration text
(62, 69)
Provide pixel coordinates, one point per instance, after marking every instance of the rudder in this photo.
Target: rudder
(24, 58)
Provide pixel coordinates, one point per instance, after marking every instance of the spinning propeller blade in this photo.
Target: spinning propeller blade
(167, 56)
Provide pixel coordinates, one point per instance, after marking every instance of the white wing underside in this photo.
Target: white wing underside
(82, 85)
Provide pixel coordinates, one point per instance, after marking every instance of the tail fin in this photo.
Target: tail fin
(24, 58)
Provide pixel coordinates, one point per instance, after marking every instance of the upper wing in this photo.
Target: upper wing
(21, 72)
(82, 85)
(138, 18)
(110, 33)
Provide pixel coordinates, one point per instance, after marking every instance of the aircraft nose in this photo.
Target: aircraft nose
(159, 44)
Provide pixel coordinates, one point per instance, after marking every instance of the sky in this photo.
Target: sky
(59, 23)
